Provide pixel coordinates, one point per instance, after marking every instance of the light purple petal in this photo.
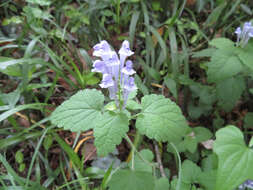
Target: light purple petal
(107, 81)
(101, 49)
(130, 85)
(128, 70)
(125, 49)
(247, 25)
(238, 30)
(250, 32)
(99, 66)
(113, 60)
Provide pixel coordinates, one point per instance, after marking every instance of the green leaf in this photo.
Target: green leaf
(246, 56)
(190, 172)
(202, 134)
(208, 179)
(40, 2)
(204, 53)
(214, 16)
(248, 120)
(64, 146)
(8, 113)
(133, 105)
(171, 85)
(11, 98)
(190, 143)
(229, 91)
(19, 157)
(21, 167)
(48, 141)
(221, 43)
(210, 163)
(140, 85)
(162, 184)
(139, 165)
(224, 64)
(131, 180)
(251, 142)
(183, 186)
(235, 158)
(109, 130)
(80, 112)
(161, 119)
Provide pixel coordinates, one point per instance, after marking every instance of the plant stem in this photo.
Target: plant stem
(137, 141)
(179, 167)
(118, 12)
(138, 154)
(159, 160)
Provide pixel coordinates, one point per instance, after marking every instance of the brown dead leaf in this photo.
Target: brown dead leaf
(208, 144)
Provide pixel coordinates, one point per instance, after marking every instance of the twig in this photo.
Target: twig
(159, 160)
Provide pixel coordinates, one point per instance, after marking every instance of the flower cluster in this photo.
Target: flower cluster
(247, 184)
(244, 34)
(116, 71)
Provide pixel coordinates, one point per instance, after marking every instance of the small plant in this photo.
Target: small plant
(159, 118)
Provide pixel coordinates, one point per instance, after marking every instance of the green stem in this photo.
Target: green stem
(118, 12)
(137, 142)
(138, 154)
(179, 167)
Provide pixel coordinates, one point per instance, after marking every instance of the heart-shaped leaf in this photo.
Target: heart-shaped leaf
(234, 157)
(161, 119)
(109, 130)
(80, 112)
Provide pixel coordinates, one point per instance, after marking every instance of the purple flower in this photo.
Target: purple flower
(238, 31)
(107, 81)
(99, 66)
(128, 70)
(113, 69)
(101, 49)
(129, 86)
(247, 184)
(244, 34)
(125, 49)
(124, 52)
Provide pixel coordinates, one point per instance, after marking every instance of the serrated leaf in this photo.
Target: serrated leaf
(131, 180)
(109, 131)
(204, 53)
(221, 43)
(224, 64)
(229, 91)
(246, 56)
(235, 158)
(80, 112)
(133, 105)
(161, 119)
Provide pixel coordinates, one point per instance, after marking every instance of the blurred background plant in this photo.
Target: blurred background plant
(45, 57)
